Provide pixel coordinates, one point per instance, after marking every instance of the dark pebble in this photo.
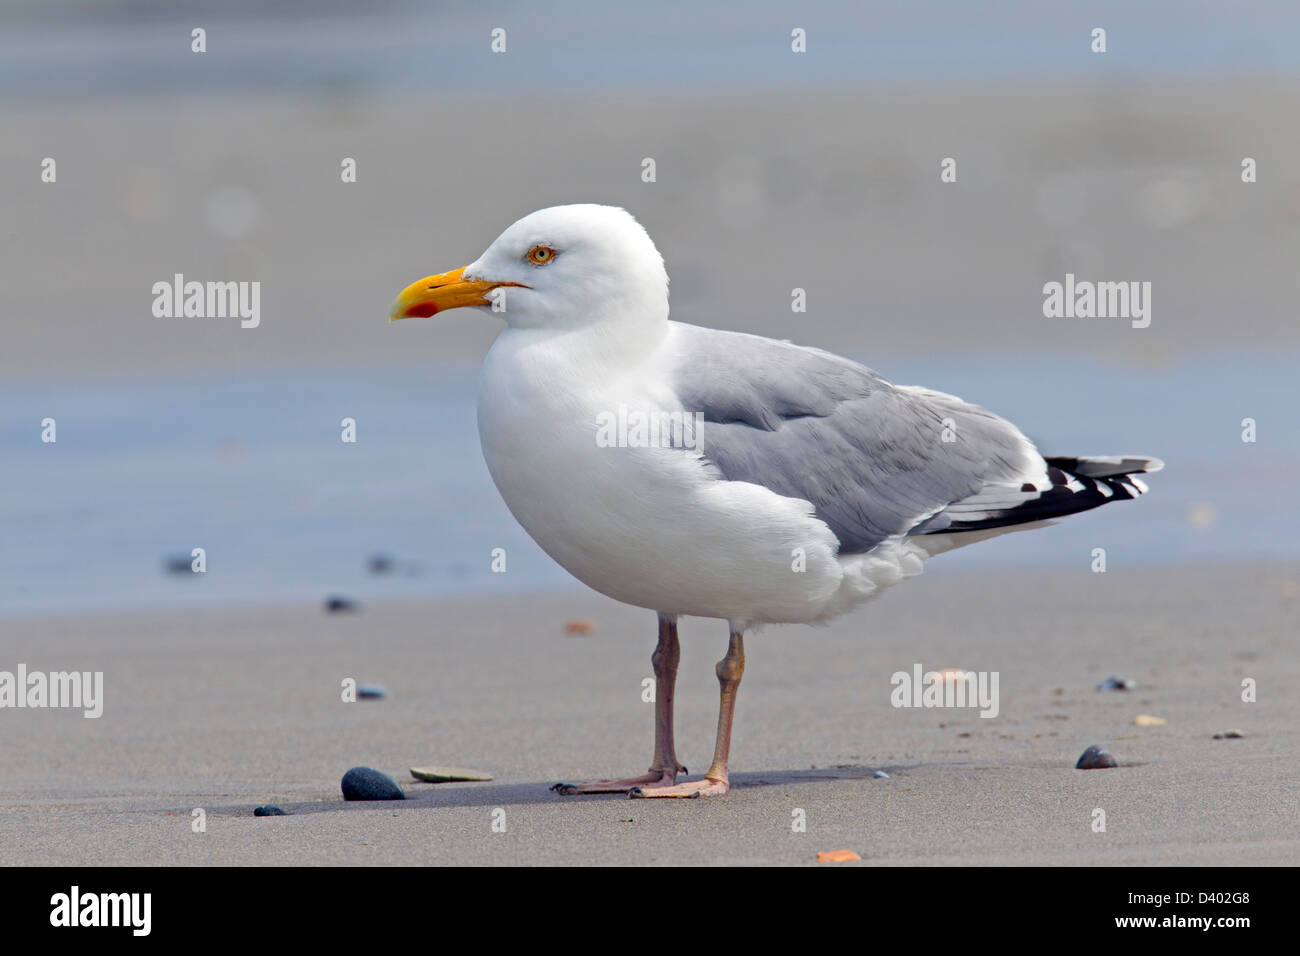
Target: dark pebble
(363, 783)
(371, 692)
(335, 604)
(1117, 683)
(178, 564)
(269, 811)
(381, 564)
(1096, 758)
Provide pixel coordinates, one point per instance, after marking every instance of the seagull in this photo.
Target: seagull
(716, 474)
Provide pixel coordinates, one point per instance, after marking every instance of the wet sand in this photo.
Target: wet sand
(226, 710)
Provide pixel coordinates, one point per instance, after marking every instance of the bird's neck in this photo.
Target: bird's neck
(607, 348)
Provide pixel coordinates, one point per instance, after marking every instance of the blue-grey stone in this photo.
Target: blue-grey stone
(269, 811)
(1096, 758)
(371, 691)
(364, 783)
(1117, 683)
(179, 564)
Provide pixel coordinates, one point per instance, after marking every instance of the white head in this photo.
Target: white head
(557, 268)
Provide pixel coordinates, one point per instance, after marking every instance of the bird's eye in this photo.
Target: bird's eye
(540, 255)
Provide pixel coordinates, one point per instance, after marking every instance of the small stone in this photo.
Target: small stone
(1229, 735)
(178, 564)
(269, 811)
(381, 564)
(1117, 683)
(880, 775)
(579, 625)
(371, 692)
(335, 604)
(364, 783)
(1146, 720)
(1096, 758)
(447, 774)
(837, 856)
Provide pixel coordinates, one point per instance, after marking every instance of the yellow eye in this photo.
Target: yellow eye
(540, 255)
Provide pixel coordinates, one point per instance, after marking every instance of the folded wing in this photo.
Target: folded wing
(874, 459)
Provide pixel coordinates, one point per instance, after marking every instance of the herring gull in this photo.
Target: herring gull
(719, 474)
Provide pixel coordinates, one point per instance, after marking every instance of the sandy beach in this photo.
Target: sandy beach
(227, 710)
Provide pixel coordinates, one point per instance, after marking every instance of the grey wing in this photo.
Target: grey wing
(873, 459)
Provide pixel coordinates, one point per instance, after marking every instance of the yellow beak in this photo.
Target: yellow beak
(447, 290)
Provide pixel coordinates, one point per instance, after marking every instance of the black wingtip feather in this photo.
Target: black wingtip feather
(1070, 493)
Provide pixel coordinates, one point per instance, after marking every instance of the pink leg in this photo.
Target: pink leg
(665, 768)
(730, 669)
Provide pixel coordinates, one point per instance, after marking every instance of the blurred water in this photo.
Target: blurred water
(89, 49)
(252, 469)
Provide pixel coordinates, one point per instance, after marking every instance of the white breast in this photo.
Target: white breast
(650, 526)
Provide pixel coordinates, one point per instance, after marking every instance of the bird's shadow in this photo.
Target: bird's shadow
(419, 794)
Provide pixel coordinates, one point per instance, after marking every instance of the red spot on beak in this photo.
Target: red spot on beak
(422, 311)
